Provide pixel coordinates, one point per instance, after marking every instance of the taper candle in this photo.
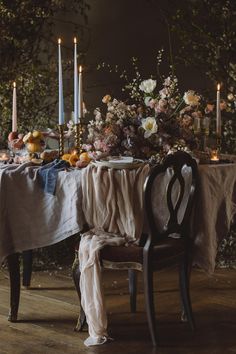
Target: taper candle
(75, 83)
(80, 93)
(61, 101)
(218, 112)
(14, 109)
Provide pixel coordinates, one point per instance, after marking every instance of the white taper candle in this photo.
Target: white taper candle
(60, 82)
(14, 109)
(218, 112)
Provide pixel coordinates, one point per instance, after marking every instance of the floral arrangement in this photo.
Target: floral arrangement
(157, 118)
(161, 120)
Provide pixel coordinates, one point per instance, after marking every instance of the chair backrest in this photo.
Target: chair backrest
(169, 193)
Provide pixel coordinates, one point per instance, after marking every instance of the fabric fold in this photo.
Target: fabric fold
(113, 207)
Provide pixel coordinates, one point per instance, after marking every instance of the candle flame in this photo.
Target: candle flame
(14, 84)
(218, 87)
(80, 69)
(214, 155)
(59, 40)
(75, 40)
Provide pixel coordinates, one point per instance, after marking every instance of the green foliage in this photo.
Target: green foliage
(28, 56)
(227, 251)
(206, 33)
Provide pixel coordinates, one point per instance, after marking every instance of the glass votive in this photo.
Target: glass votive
(206, 125)
(197, 125)
(214, 155)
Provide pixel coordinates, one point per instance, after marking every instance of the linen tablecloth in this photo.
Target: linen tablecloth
(31, 218)
(215, 210)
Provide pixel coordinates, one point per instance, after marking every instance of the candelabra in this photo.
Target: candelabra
(218, 141)
(61, 139)
(78, 136)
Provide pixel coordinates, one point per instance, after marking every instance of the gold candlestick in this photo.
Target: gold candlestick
(218, 141)
(78, 136)
(61, 139)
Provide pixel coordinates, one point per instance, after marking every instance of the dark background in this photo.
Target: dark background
(117, 30)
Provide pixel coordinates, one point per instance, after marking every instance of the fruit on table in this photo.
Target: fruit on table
(84, 156)
(34, 147)
(34, 141)
(77, 160)
(17, 144)
(12, 136)
(81, 164)
(28, 138)
(66, 157)
(73, 159)
(37, 135)
(48, 156)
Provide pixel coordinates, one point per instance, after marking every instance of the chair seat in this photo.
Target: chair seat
(164, 253)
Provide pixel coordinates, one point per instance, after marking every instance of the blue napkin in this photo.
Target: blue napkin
(48, 175)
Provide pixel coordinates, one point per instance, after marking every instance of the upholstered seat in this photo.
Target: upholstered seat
(163, 254)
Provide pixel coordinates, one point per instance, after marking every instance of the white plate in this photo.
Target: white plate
(118, 163)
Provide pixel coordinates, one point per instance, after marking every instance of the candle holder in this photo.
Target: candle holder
(61, 139)
(202, 130)
(78, 136)
(218, 142)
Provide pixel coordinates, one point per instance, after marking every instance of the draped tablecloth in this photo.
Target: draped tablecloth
(31, 218)
(215, 210)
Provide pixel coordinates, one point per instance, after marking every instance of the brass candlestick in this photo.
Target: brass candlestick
(218, 141)
(61, 139)
(78, 136)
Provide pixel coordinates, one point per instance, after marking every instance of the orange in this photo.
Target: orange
(34, 147)
(66, 157)
(84, 156)
(73, 159)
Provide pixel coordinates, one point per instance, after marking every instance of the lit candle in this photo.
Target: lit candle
(80, 93)
(60, 102)
(214, 155)
(75, 83)
(218, 112)
(14, 109)
(4, 157)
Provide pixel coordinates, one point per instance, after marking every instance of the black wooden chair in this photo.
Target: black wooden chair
(169, 195)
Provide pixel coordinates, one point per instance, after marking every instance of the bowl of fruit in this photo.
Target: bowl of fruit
(34, 142)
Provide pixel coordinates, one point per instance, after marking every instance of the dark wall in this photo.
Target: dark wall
(119, 30)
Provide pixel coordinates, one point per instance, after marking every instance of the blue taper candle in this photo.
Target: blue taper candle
(61, 101)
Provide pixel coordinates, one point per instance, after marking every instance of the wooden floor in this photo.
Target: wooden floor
(48, 314)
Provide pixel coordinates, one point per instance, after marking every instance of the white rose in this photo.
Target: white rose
(230, 97)
(148, 86)
(191, 98)
(149, 124)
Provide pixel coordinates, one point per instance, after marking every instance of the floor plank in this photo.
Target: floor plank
(49, 309)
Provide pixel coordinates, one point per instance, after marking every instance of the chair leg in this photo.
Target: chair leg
(14, 272)
(148, 292)
(184, 277)
(132, 289)
(27, 267)
(76, 277)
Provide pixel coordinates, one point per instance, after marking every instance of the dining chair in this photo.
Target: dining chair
(168, 201)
